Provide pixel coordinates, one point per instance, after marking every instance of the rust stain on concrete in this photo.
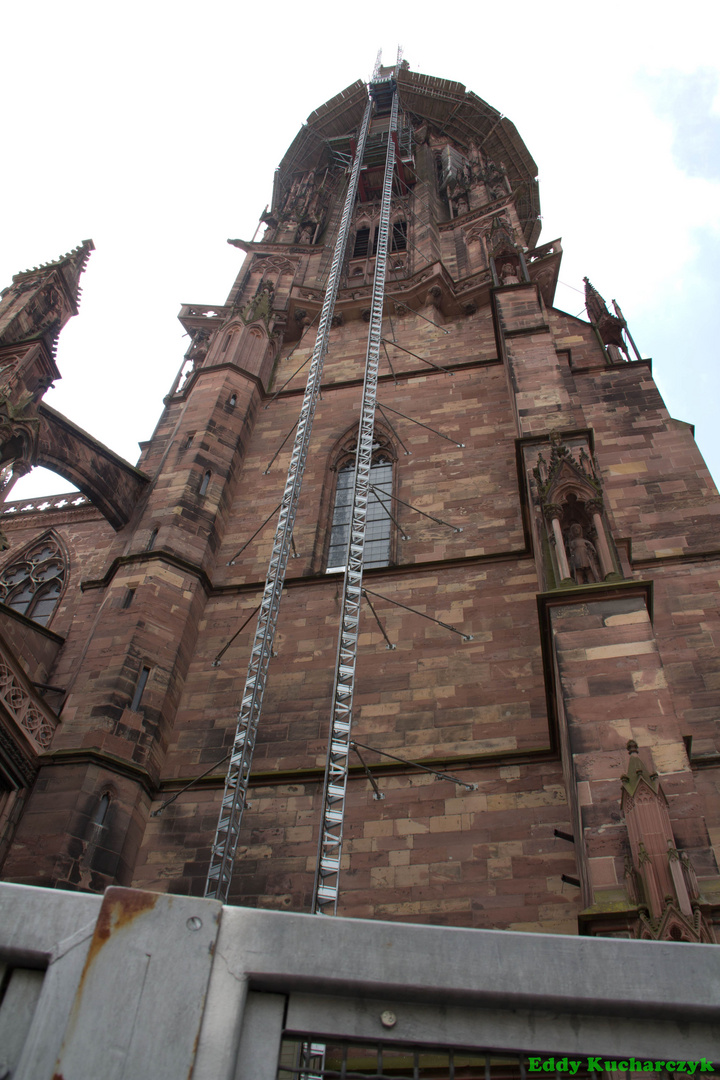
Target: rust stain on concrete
(119, 908)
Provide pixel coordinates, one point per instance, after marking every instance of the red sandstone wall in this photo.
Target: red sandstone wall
(430, 851)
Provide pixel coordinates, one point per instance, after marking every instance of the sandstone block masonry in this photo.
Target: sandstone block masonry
(542, 505)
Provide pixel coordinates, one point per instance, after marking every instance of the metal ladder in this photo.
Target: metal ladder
(222, 855)
(326, 886)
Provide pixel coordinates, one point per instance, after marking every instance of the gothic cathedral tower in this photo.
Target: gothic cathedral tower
(478, 684)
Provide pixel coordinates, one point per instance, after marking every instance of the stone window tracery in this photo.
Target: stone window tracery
(33, 583)
(378, 531)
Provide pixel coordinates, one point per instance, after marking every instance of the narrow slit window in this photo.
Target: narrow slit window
(128, 598)
(205, 483)
(151, 541)
(140, 689)
(233, 401)
(101, 810)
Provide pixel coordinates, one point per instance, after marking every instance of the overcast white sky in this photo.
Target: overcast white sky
(155, 127)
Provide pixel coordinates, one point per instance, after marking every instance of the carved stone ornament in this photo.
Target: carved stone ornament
(495, 179)
(609, 327)
(552, 510)
(501, 236)
(19, 427)
(23, 764)
(36, 722)
(663, 882)
(40, 301)
(565, 466)
(198, 348)
(260, 307)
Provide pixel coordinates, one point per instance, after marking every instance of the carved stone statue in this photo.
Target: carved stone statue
(198, 347)
(583, 556)
(495, 181)
(508, 274)
(460, 201)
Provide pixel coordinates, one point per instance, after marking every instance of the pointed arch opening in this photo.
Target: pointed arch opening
(380, 530)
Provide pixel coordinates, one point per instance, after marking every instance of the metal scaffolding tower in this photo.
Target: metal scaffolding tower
(325, 891)
(223, 850)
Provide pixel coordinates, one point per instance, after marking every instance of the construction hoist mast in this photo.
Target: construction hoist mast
(325, 891)
(222, 855)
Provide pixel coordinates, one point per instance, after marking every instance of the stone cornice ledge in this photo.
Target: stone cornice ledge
(160, 555)
(92, 756)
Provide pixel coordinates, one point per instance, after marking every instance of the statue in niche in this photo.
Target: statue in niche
(508, 274)
(582, 555)
(458, 181)
(306, 233)
(460, 202)
(570, 496)
(495, 180)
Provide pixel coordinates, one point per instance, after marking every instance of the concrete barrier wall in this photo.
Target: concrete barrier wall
(146, 985)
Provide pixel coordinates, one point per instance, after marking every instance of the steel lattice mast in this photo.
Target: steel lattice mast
(325, 891)
(222, 854)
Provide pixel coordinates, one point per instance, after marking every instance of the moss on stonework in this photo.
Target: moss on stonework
(613, 900)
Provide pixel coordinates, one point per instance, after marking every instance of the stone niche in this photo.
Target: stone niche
(574, 544)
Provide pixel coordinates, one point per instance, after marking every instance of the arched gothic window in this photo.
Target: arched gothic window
(378, 533)
(33, 583)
